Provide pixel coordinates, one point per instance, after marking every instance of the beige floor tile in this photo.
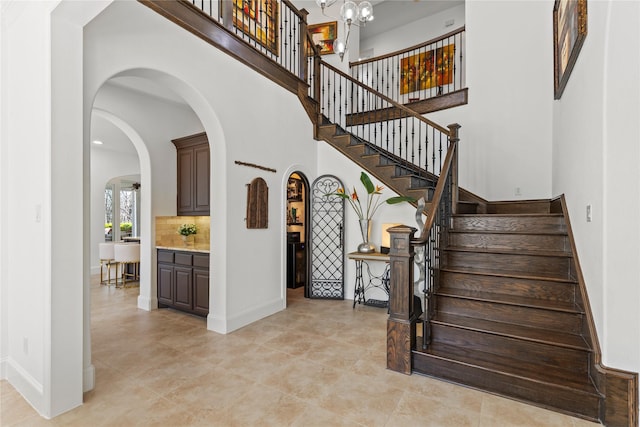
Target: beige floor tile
(363, 398)
(510, 413)
(317, 363)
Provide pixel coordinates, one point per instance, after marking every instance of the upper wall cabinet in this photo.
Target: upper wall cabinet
(193, 174)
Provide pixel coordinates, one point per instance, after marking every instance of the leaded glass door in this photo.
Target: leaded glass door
(327, 240)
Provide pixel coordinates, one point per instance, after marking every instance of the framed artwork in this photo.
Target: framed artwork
(324, 35)
(428, 69)
(259, 20)
(569, 32)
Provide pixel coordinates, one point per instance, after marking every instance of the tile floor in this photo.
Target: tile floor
(317, 363)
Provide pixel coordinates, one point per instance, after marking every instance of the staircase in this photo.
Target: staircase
(507, 320)
(403, 178)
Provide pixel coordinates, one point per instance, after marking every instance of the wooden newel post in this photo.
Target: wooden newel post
(454, 138)
(401, 333)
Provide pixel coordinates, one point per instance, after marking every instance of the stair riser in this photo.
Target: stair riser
(545, 266)
(542, 206)
(545, 395)
(548, 242)
(542, 354)
(518, 315)
(539, 289)
(530, 224)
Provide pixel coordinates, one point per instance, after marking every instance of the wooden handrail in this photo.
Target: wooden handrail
(449, 163)
(408, 49)
(395, 104)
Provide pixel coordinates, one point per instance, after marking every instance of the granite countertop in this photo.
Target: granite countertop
(194, 248)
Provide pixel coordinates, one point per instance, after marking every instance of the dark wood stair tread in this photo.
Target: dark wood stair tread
(542, 336)
(555, 377)
(499, 251)
(485, 272)
(491, 270)
(509, 215)
(564, 306)
(508, 232)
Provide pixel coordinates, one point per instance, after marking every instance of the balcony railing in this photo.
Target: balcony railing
(420, 72)
(275, 28)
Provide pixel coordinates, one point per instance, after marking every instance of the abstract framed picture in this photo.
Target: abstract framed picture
(427, 69)
(323, 35)
(259, 20)
(569, 32)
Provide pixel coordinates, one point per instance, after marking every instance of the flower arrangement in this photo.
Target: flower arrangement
(187, 229)
(373, 201)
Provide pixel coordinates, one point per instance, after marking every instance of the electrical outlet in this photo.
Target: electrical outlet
(517, 191)
(589, 213)
(25, 345)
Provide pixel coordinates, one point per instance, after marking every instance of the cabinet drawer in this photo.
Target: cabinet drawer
(182, 258)
(201, 260)
(165, 256)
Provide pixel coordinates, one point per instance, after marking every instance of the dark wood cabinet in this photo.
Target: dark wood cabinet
(183, 281)
(193, 174)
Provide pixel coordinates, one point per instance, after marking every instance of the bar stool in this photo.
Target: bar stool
(124, 255)
(106, 258)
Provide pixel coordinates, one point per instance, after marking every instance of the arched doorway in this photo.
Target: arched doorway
(297, 231)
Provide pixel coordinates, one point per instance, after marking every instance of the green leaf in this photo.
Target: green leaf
(343, 195)
(400, 199)
(368, 185)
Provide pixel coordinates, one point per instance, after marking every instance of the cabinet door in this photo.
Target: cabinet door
(201, 291)
(183, 290)
(165, 284)
(185, 181)
(201, 177)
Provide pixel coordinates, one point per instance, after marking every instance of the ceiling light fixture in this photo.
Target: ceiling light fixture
(350, 13)
(97, 142)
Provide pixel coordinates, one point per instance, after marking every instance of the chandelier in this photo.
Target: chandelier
(350, 13)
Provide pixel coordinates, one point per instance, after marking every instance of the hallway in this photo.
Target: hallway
(318, 363)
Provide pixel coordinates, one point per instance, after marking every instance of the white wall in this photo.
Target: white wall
(595, 161)
(413, 33)
(43, 187)
(506, 128)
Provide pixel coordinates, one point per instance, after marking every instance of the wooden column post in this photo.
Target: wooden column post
(453, 143)
(226, 13)
(401, 333)
(304, 50)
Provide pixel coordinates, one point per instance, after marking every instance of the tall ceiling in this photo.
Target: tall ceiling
(391, 14)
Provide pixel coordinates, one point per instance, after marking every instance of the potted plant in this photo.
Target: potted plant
(187, 231)
(365, 212)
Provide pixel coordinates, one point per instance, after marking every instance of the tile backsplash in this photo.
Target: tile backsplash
(167, 230)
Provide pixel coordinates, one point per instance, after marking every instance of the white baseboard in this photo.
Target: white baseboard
(26, 385)
(225, 326)
(88, 378)
(147, 304)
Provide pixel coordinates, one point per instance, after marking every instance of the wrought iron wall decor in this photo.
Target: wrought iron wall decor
(327, 240)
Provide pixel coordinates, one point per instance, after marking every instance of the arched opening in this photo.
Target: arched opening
(297, 233)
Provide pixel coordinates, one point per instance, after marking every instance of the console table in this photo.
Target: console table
(372, 280)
